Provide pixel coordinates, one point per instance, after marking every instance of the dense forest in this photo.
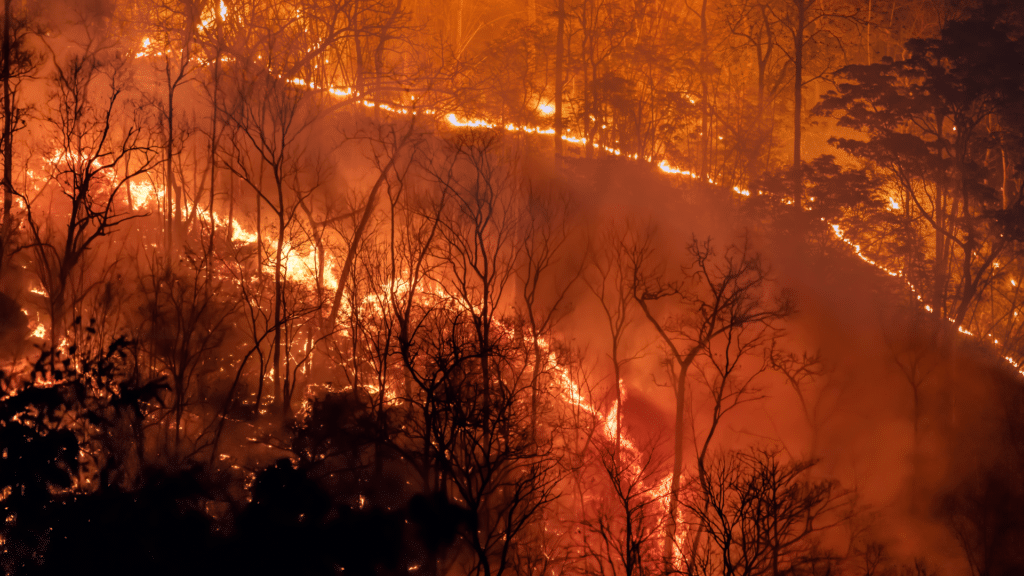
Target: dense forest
(512, 287)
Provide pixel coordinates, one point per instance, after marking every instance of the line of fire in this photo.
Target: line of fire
(512, 287)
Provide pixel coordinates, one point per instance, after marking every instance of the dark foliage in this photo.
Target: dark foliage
(164, 524)
(59, 435)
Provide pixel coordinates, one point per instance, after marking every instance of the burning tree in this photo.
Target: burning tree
(412, 304)
(98, 143)
(271, 127)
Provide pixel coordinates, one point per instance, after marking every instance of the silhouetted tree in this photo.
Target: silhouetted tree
(18, 61)
(625, 521)
(72, 425)
(97, 146)
(762, 515)
(722, 309)
(931, 119)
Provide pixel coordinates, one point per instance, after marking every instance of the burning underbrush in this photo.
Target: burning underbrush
(307, 332)
(435, 386)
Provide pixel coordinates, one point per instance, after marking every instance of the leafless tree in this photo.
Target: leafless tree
(807, 375)
(98, 145)
(915, 358)
(626, 519)
(272, 129)
(174, 25)
(479, 428)
(545, 275)
(18, 63)
(722, 308)
(762, 515)
(610, 279)
(188, 316)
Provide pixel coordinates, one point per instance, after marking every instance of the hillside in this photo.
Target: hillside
(582, 287)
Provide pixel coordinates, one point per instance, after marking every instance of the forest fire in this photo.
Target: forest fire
(475, 289)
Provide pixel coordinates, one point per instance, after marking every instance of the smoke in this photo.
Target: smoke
(63, 15)
(912, 408)
(908, 456)
(860, 417)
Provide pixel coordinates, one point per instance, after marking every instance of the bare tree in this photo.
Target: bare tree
(174, 25)
(391, 151)
(807, 376)
(916, 361)
(762, 515)
(187, 316)
(610, 279)
(721, 309)
(479, 427)
(627, 518)
(18, 62)
(96, 129)
(545, 275)
(275, 153)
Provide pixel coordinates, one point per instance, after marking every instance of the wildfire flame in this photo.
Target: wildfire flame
(300, 266)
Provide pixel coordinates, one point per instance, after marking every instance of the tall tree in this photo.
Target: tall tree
(18, 62)
(929, 120)
(812, 27)
(716, 297)
(99, 145)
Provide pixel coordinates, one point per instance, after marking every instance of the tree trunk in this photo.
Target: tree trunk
(559, 63)
(705, 116)
(941, 242)
(1007, 194)
(279, 392)
(357, 236)
(213, 152)
(798, 99)
(173, 198)
(867, 44)
(677, 460)
(8, 138)
(259, 266)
